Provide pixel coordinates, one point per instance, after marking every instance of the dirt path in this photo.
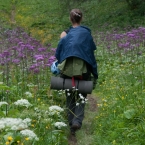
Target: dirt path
(84, 136)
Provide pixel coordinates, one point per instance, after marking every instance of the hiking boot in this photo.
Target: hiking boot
(74, 128)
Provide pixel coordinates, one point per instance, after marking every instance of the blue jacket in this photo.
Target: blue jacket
(78, 43)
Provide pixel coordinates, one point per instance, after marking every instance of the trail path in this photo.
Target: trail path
(85, 136)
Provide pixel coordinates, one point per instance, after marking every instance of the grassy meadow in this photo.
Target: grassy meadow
(121, 88)
(31, 113)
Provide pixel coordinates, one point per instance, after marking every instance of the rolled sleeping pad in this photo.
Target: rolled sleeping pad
(58, 83)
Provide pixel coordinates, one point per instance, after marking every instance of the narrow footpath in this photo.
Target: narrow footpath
(85, 135)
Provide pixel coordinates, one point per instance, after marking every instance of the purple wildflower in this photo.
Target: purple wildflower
(16, 61)
(51, 59)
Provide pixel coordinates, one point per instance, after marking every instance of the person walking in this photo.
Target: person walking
(76, 60)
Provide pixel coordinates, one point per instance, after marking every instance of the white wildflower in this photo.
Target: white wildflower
(81, 96)
(29, 94)
(55, 110)
(59, 125)
(3, 103)
(68, 94)
(27, 121)
(23, 102)
(14, 123)
(86, 100)
(2, 126)
(67, 89)
(77, 104)
(30, 134)
(30, 85)
(19, 83)
(82, 101)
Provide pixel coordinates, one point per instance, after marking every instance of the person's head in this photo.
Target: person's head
(76, 16)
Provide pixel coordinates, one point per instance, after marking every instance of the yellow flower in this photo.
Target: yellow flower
(97, 117)
(18, 141)
(10, 138)
(32, 125)
(7, 142)
(27, 138)
(38, 99)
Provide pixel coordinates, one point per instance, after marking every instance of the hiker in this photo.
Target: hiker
(76, 60)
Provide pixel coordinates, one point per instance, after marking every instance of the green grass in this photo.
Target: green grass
(121, 91)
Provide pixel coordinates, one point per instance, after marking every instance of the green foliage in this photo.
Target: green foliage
(137, 6)
(121, 91)
(46, 19)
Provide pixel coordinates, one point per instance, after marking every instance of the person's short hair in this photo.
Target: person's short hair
(76, 16)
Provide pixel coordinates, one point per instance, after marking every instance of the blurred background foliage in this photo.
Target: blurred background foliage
(46, 19)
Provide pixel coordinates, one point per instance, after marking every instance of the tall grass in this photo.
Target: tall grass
(121, 88)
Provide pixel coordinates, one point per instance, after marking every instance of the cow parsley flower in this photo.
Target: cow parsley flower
(29, 134)
(59, 125)
(55, 110)
(28, 94)
(14, 123)
(23, 102)
(3, 103)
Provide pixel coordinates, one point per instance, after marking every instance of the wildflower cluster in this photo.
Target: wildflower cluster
(28, 94)
(55, 110)
(9, 140)
(59, 125)
(14, 123)
(127, 42)
(22, 102)
(81, 98)
(29, 134)
(24, 48)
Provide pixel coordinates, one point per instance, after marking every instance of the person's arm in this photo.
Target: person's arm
(63, 34)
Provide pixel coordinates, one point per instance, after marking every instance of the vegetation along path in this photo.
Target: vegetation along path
(85, 135)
